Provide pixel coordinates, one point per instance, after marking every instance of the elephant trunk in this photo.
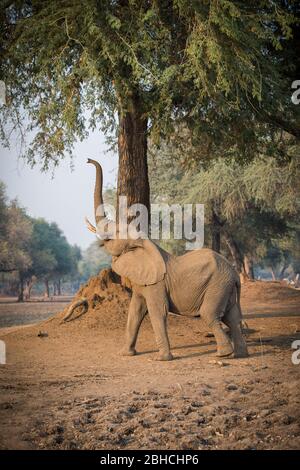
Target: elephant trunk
(98, 198)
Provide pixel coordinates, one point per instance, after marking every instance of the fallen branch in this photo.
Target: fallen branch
(83, 301)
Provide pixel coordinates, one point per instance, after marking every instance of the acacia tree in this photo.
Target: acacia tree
(139, 66)
(251, 204)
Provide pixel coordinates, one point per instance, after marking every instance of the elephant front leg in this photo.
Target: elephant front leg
(157, 305)
(136, 313)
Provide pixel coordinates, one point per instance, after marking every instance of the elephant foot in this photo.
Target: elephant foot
(128, 352)
(240, 353)
(164, 357)
(224, 350)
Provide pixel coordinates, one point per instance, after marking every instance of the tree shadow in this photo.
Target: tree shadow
(271, 314)
(183, 346)
(282, 342)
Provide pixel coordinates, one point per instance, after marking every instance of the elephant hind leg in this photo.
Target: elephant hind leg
(232, 319)
(208, 314)
(224, 347)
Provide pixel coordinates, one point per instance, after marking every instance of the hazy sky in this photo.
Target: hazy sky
(67, 197)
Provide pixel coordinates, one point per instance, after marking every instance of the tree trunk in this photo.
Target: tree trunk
(282, 271)
(21, 290)
(132, 145)
(248, 265)
(47, 289)
(57, 288)
(273, 274)
(27, 294)
(215, 233)
(28, 287)
(236, 255)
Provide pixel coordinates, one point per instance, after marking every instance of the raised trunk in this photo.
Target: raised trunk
(98, 197)
(132, 144)
(273, 274)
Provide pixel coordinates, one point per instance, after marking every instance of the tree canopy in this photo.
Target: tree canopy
(224, 67)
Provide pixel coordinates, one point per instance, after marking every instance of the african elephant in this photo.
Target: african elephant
(201, 283)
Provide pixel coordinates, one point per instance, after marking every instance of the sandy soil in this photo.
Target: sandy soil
(71, 389)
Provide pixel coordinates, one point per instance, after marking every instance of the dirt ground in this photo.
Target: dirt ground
(13, 313)
(69, 388)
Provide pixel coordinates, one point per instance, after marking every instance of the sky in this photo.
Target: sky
(65, 197)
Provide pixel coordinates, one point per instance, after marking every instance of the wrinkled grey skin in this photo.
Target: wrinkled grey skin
(199, 283)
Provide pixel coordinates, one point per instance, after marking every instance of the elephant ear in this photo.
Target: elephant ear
(143, 265)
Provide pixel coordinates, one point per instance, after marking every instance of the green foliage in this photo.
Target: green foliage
(263, 183)
(93, 260)
(15, 234)
(3, 211)
(258, 202)
(218, 65)
(52, 256)
(33, 247)
(274, 186)
(226, 184)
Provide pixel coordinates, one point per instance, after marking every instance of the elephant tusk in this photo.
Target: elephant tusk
(90, 226)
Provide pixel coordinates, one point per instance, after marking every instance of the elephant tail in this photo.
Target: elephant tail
(243, 324)
(238, 297)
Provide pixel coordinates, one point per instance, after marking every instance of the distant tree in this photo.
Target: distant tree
(19, 236)
(282, 254)
(33, 250)
(52, 256)
(3, 229)
(64, 258)
(93, 260)
(73, 276)
(44, 262)
(15, 235)
(3, 211)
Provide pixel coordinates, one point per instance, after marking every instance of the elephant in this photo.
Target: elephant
(200, 283)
